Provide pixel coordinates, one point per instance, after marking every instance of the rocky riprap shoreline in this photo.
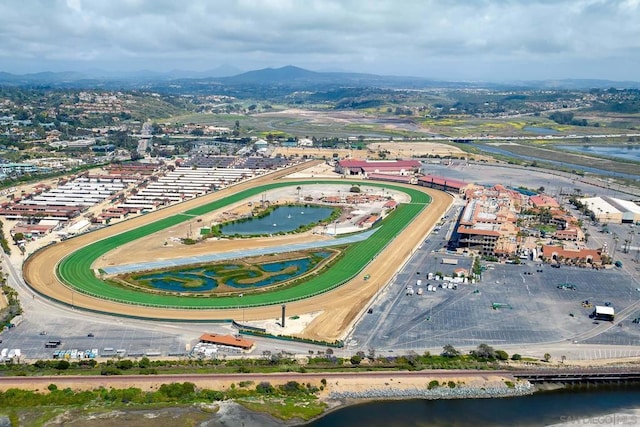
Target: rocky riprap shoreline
(441, 392)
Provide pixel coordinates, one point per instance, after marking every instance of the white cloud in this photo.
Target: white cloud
(476, 38)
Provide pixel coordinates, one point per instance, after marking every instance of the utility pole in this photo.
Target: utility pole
(627, 243)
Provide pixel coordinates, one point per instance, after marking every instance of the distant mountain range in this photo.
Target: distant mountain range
(50, 77)
(288, 76)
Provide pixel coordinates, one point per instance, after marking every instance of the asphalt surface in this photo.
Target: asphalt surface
(538, 321)
(534, 313)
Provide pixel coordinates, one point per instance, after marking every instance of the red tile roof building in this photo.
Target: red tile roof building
(543, 201)
(365, 167)
(228, 340)
(488, 222)
(442, 183)
(575, 256)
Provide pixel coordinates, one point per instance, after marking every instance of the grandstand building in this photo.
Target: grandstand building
(488, 222)
(363, 168)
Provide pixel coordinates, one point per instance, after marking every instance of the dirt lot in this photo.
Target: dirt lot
(395, 150)
(339, 308)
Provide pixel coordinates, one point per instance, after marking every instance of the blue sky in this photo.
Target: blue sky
(499, 40)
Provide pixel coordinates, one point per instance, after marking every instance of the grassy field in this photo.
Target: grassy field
(75, 270)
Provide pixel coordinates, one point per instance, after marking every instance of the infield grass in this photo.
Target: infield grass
(75, 270)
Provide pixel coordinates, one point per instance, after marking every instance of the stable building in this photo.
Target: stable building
(443, 183)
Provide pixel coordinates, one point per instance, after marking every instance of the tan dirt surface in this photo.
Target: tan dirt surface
(336, 381)
(396, 150)
(339, 307)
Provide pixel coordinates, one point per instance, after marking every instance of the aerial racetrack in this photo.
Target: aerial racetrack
(64, 271)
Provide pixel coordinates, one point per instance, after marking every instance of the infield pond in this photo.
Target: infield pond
(242, 275)
(231, 275)
(282, 219)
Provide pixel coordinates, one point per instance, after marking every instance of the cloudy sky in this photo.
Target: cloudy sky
(491, 40)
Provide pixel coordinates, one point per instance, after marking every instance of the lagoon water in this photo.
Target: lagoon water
(540, 130)
(282, 219)
(576, 406)
(497, 150)
(208, 279)
(627, 152)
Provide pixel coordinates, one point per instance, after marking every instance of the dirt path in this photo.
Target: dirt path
(339, 307)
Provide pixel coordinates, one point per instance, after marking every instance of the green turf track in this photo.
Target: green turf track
(75, 270)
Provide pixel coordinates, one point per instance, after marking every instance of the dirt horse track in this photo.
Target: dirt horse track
(339, 308)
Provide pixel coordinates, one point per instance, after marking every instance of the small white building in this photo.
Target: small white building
(305, 142)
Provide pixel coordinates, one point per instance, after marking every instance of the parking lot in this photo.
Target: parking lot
(529, 306)
(107, 338)
(512, 304)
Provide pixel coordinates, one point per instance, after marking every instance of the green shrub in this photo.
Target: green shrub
(291, 387)
(40, 364)
(265, 387)
(144, 363)
(62, 365)
(502, 355)
(178, 390)
(451, 384)
(212, 395)
(516, 356)
(433, 384)
(110, 370)
(124, 364)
